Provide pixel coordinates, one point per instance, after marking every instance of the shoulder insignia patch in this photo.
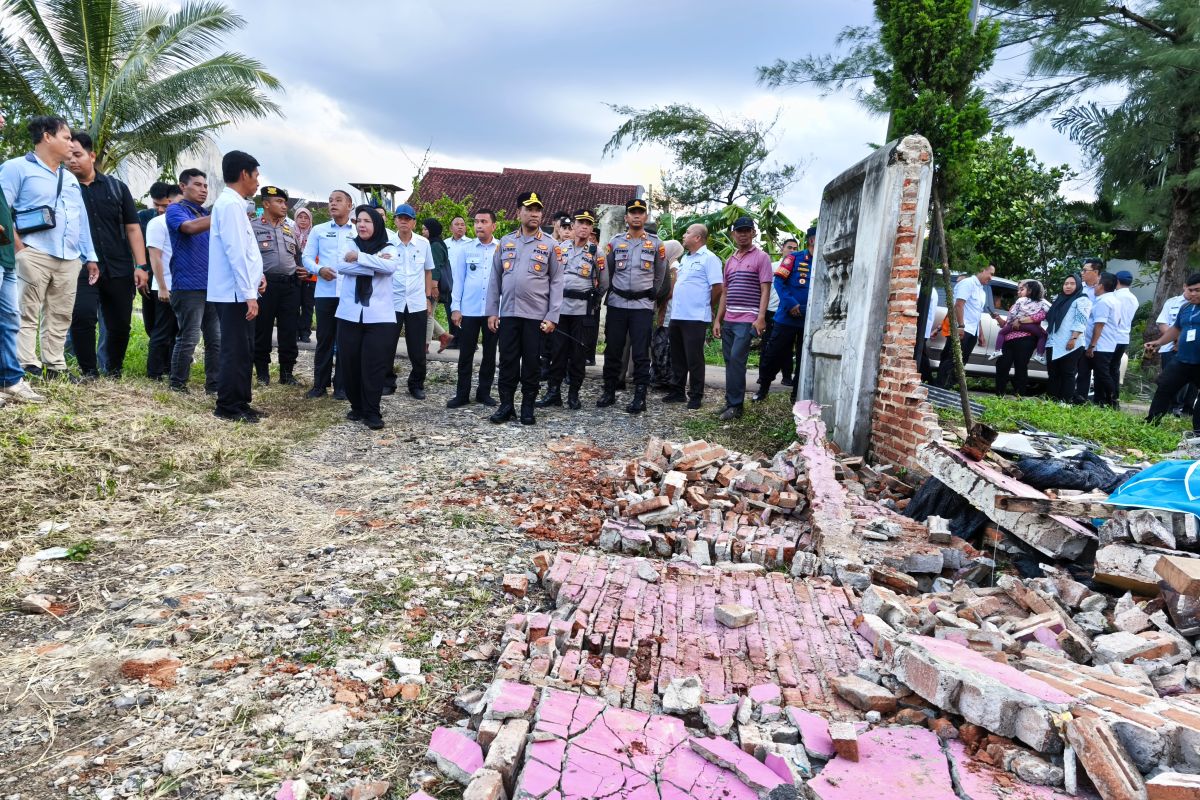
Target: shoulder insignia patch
(785, 266)
(662, 251)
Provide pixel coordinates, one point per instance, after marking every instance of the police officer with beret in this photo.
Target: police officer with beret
(279, 305)
(568, 344)
(635, 270)
(523, 302)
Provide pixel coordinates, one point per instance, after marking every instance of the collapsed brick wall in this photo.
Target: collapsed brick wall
(902, 418)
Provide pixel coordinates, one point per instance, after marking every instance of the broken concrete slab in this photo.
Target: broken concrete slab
(978, 781)
(980, 484)
(457, 756)
(724, 753)
(893, 762)
(814, 732)
(1105, 759)
(864, 695)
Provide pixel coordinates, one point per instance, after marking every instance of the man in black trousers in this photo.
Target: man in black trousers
(280, 304)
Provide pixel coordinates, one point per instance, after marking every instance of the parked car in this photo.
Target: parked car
(1002, 293)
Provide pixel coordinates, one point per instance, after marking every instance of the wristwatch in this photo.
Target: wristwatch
(144, 266)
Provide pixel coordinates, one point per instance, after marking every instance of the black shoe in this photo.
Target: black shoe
(607, 398)
(527, 411)
(730, 412)
(591, 362)
(620, 386)
(210, 392)
(674, 397)
(761, 394)
(249, 409)
(339, 394)
(66, 377)
(417, 393)
(315, 393)
(458, 402)
(487, 400)
(573, 399)
(263, 379)
(388, 390)
(288, 379)
(787, 382)
(180, 388)
(503, 414)
(306, 338)
(638, 404)
(374, 423)
(694, 403)
(354, 416)
(239, 416)
(33, 373)
(552, 397)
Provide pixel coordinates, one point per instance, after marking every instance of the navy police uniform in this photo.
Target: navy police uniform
(793, 277)
(280, 303)
(634, 272)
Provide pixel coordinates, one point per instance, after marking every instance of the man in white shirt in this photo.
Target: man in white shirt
(322, 254)
(1128, 303)
(1102, 337)
(970, 299)
(1092, 267)
(472, 269)
(699, 281)
(235, 280)
(158, 249)
(412, 294)
(458, 242)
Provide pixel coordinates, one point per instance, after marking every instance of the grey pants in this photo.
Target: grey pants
(195, 316)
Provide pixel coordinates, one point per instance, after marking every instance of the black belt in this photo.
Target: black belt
(647, 294)
(578, 294)
(275, 278)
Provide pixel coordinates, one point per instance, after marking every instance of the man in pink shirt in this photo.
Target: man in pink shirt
(743, 311)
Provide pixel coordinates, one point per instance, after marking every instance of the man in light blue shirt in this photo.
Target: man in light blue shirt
(235, 280)
(471, 266)
(458, 241)
(322, 255)
(699, 281)
(47, 260)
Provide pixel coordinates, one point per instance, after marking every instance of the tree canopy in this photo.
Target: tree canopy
(142, 80)
(717, 162)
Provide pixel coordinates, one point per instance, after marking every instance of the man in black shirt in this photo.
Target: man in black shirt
(121, 251)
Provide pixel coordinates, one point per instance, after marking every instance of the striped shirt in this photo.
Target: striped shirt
(745, 273)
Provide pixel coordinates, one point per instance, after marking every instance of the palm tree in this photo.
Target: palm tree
(142, 80)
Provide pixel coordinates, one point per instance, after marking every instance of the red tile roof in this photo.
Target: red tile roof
(560, 191)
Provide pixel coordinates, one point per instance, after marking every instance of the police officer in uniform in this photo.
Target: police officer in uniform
(523, 302)
(568, 344)
(280, 303)
(793, 277)
(634, 272)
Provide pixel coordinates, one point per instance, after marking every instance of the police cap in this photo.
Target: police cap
(529, 199)
(583, 215)
(636, 204)
(269, 192)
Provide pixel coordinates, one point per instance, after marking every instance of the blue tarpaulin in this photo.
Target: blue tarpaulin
(1166, 486)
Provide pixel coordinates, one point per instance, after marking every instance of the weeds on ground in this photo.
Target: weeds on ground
(1111, 429)
(766, 427)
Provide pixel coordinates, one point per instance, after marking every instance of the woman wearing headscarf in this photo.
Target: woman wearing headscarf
(431, 229)
(366, 317)
(1021, 335)
(308, 281)
(1066, 321)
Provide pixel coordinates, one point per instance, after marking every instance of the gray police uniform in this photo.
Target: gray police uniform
(280, 303)
(634, 274)
(568, 348)
(526, 288)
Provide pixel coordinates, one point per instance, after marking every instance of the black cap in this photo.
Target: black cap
(583, 215)
(811, 233)
(527, 199)
(272, 191)
(636, 204)
(742, 223)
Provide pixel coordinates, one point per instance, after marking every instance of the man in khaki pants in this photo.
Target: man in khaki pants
(47, 259)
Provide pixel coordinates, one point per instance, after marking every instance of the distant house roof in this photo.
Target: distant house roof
(560, 191)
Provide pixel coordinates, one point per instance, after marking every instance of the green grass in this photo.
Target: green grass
(1114, 430)
(766, 427)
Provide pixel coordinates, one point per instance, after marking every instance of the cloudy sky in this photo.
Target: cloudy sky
(371, 86)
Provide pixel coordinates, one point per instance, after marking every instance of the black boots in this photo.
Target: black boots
(527, 410)
(505, 412)
(639, 401)
(607, 398)
(286, 378)
(573, 399)
(552, 397)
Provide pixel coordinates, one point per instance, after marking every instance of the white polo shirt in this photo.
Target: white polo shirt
(408, 282)
(974, 298)
(159, 237)
(1106, 309)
